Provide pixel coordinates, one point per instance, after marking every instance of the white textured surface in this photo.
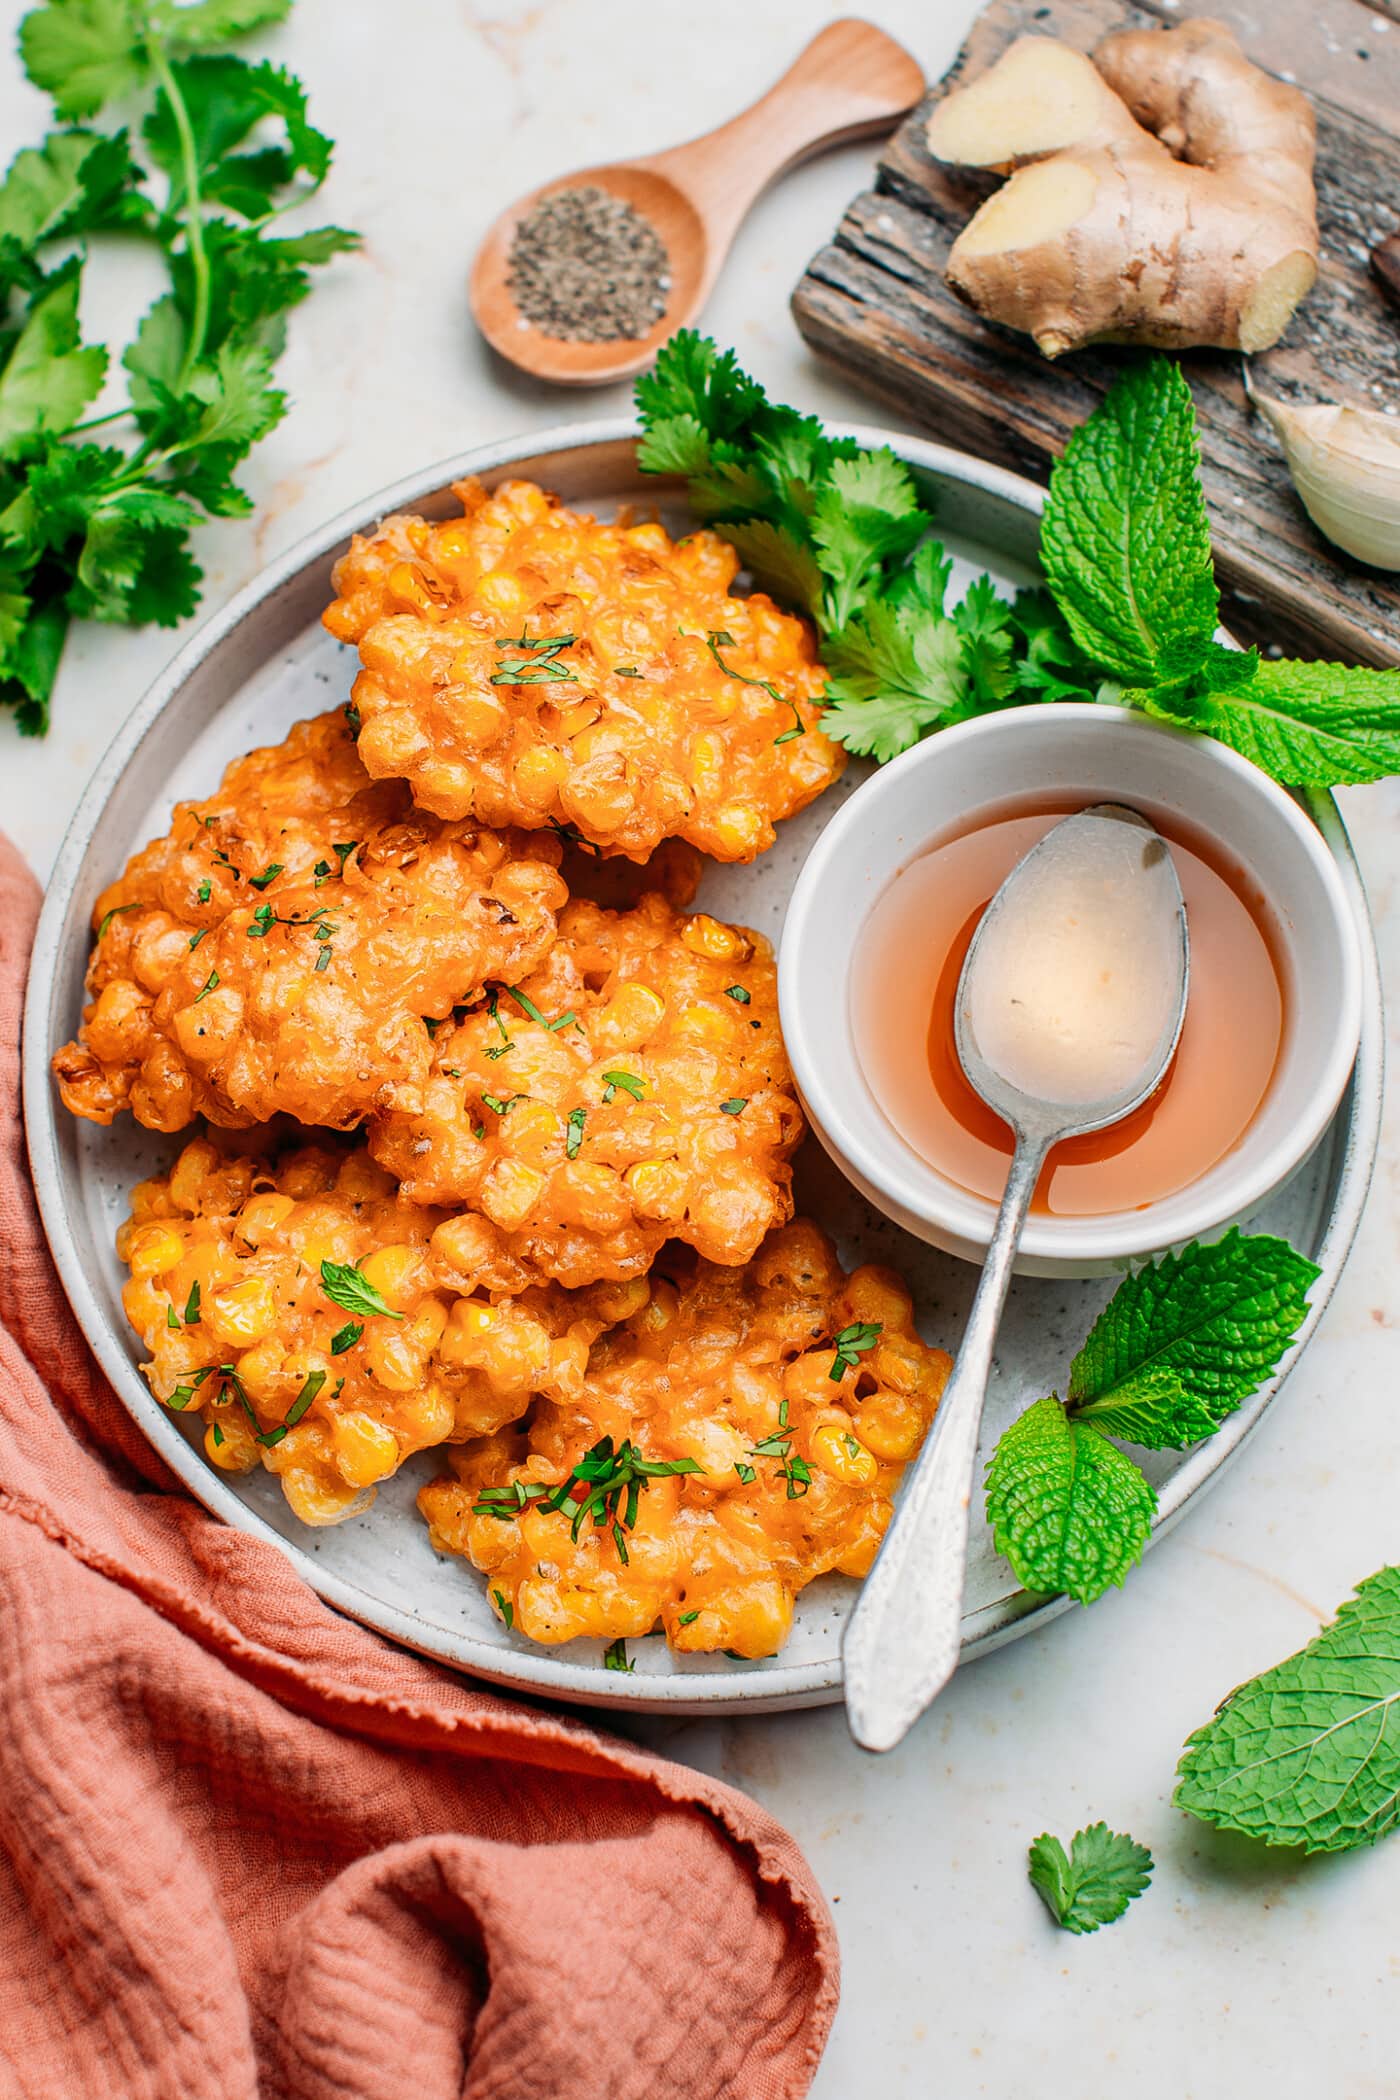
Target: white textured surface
(1236, 1974)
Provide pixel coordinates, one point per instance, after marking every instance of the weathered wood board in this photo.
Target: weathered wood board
(876, 300)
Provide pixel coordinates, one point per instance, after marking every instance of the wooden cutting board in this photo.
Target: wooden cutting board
(875, 300)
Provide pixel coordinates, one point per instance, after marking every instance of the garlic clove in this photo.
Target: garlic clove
(1345, 465)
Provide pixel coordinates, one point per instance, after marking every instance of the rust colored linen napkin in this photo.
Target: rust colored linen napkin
(249, 1849)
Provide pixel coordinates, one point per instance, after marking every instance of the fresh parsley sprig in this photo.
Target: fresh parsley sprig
(99, 527)
(1177, 1348)
(1131, 608)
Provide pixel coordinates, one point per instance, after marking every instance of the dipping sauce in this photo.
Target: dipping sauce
(906, 979)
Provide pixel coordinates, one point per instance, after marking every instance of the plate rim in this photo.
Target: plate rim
(752, 1688)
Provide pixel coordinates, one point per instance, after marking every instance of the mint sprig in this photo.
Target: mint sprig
(1309, 1753)
(1094, 1882)
(1180, 1345)
(1131, 605)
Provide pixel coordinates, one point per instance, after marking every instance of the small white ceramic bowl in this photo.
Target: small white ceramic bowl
(1105, 754)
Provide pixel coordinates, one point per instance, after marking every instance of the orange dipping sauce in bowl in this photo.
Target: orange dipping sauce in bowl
(905, 982)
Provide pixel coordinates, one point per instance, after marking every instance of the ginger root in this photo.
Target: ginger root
(1163, 192)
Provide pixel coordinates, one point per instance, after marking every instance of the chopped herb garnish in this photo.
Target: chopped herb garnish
(172, 1318)
(628, 1081)
(746, 1473)
(687, 1618)
(114, 913)
(720, 640)
(337, 1389)
(798, 1475)
(774, 1446)
(528, 1007)
(261, 923)
(574, 1137)
(782, 1414)
(615, 1656)
(352, 717)
(210, 984)
(498, 1106)
(626, 671)
(349, 1288)
(850, 1443)
(205, 891)
(550, 644)
(217, 1434)
(346, 1337)
(269, 874)
(539, 667)
(505, 1607)
(321, 871)
(737, 993)
(734, 1107)
(310, 1388)
(192, 1307)
(196, 938)
(431, 1026)
(852, 1343)
(604, 1485)
(342, 850)
(323, 956)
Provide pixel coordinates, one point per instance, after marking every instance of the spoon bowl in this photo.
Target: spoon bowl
(850, 82)
(1068, 1014)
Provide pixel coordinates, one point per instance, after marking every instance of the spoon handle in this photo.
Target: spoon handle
(905, 1635)
(851, 80)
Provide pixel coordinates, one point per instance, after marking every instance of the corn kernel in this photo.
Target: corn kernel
(630, 1017)
(706, 936)
(316, 1500)
(154, 1250)
(539, 773)
(262, 1372)
(389, 1270)
(739, 830)
(243, 1313)
(532, 1132)
(365, 1451)
(705, 1024)
(840, 1453)
(413, 590)
(510, 1192)
(190, 1172)
(233, 1448)
(658, 1187)
(500, 592)
(260, 1218)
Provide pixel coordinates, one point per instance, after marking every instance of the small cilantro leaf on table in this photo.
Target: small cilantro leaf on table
(1308, 1753)
(1094, 1882)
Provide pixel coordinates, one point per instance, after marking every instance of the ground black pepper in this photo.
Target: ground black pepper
(587, 267)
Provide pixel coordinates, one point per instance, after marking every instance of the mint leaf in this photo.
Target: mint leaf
(1069, 1510)
(1309, 1753)
(48, 380)
(1183, 1341)
(1125, 541)
(83, 52)
(1311, 725)
(350, 1289)
(1095, 1883)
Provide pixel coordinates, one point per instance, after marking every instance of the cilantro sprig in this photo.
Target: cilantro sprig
(1130, 609)
(603, 1487)
(1180, 1345)
(98, 526)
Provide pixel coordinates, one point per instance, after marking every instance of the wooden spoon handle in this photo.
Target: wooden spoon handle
(852, 80)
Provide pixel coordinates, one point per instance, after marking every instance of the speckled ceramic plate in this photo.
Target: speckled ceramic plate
(244, 678)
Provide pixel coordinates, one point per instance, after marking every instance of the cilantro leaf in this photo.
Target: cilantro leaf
(1311, 725)
(1069, 1510)
(1095, 1882)
(1183, 1341)
(48, 379)
(1125, 541)
(1309, 1753)
(895, 676)
(75, 182)
(195, 27)
(83, 52)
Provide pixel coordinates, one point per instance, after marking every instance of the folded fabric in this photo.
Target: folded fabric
(249, 1849)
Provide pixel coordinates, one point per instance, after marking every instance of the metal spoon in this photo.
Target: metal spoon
(1068, 1011)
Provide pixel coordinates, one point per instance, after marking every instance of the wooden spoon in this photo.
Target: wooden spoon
(851, 81)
